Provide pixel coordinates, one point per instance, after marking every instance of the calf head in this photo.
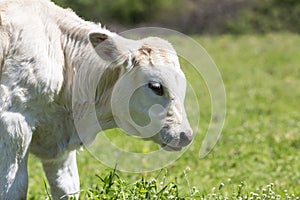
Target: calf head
(148, 98)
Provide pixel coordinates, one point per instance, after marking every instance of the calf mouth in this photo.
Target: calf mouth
(167, 147)
(169, 143)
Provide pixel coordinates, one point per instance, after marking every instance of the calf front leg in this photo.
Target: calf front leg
(62, 175)
(15, 137)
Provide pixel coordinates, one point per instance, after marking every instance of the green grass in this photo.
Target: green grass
(258, 155)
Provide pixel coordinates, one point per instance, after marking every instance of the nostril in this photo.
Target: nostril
(185, 138)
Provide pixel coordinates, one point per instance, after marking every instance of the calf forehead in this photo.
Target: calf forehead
(162, 57)
(156, 52)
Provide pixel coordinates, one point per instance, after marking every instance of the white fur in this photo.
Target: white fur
(45, 51)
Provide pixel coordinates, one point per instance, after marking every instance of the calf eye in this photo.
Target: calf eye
(156, 88)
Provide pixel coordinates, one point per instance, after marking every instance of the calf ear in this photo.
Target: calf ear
(112, 48)
(97, 38)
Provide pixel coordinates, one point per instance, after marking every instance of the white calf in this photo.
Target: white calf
(46, 50)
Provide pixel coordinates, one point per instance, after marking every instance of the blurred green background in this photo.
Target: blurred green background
(193, 16)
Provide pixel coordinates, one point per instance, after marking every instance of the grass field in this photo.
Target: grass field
(259, 151)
